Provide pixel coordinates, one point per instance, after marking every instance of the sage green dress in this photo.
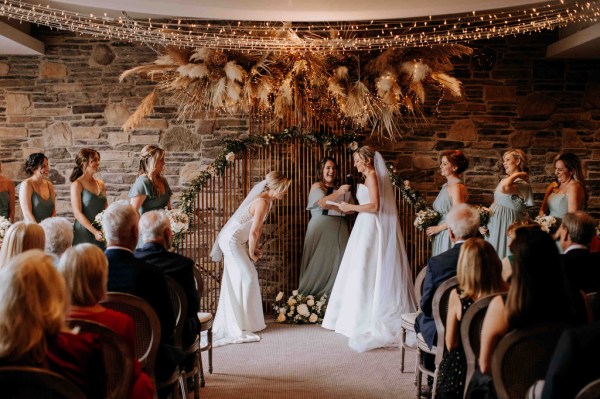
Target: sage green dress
(91, 205)
(324, 246)
(443, 203)
(143, 186)
(41, 208)
(4, 204)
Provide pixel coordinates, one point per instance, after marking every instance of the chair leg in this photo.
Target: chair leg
(416, 367)
(402, 349)
(201, 371)
(182, 386)
(435, 377)
(418, 374)
(210, 341)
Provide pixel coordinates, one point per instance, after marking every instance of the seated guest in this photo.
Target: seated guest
(33, 301)
(581, 267)
(134, 276)
(59, 235)
(510, 233)
(19, 238)
(85, 270)
(479, 274)
(155, 229)
(537, 294)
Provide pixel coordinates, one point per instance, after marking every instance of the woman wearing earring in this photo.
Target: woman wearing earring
(7, 197)
(453, 192)
(326, 233)
(511, 198)
(88, 197)
(36, 195)
(239, 313)
(567, 193)
(374, 286)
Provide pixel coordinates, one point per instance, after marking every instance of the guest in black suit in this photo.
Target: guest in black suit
(156, 232)
(463, 223)
(581, 267)
(134, 276)
(574, 363)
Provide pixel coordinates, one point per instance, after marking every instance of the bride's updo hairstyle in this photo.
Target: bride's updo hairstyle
(277, 182)
(365, 154)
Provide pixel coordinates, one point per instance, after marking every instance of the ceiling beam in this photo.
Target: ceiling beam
(15, 42)
(582, 44)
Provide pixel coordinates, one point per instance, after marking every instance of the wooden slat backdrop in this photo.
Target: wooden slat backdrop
(283, 232)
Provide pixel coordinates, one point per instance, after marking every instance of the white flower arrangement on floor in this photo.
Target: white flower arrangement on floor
(547, 223)
(300, 308)
(180, 223)
(4, 225)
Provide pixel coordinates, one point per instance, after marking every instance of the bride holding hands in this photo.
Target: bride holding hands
(374, 285)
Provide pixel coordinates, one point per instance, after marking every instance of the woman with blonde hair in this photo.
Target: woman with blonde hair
(7, 197)
(19, 238)
(511, 198)
(33, 305)
(36, 193)
(151, 190)
(88, 197)
(239, 313)
(479, 273)
(85, 270)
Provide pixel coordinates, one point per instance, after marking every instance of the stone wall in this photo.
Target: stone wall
(71, 98)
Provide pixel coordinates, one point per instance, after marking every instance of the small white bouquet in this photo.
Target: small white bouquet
(4, 225)
(180, 223)
(425, 218)
(97, 223)
(300, 308)
(547, 223)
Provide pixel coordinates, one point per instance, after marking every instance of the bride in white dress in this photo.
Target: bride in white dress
(374, 285)
(239, 313)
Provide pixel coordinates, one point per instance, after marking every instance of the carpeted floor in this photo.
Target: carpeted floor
(307, 362)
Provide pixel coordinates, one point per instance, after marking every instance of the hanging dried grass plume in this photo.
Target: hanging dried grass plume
(144, 109)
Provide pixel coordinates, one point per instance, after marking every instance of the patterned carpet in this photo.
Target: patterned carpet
(306, 362)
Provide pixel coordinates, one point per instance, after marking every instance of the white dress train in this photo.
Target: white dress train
(239, 313)
(374, 285)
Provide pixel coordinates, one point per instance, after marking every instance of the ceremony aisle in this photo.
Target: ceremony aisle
(306, 362)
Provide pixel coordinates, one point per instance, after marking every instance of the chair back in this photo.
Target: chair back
(522, 357)
(199, 282)
(19, 382)
(179, 302)
(590, 391)
(441, 298)
(147, 326)
(419, 284)
(470, 333)
(116, 355)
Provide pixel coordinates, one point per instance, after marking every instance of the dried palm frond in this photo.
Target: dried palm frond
(451, 84)
(262, 65)
(416, 88)
(283, 100)
(234, 72)
(218, 93)
(299, 67)
(178, 55)
(144, 109)
(359, 106)
(233, 92)
(149, 70)
(201, 54)
(180, 83)
(335, 88)
(386, 121)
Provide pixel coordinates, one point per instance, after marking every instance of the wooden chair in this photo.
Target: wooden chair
(590, 391)
(116, 355)
(470, 333)
(206, 324)
(20, 382)
(440, 311)
(408, 319)
(522, 357)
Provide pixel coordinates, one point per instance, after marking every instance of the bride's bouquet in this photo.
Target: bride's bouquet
(425, 218)
(4, 225)
(549, 224)
(300, 308)
(484, 218)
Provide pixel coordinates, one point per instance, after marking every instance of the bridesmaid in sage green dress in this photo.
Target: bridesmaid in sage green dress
(36, 194)
(326, 234)
(151, 190)
(567, 193)
(7, 197)
(453, 192)
(88, 198)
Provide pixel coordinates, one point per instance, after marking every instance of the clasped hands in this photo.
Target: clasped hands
(256, 255)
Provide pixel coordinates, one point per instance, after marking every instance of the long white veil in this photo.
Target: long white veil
(216, 252)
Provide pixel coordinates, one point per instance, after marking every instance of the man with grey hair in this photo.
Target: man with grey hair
(463, 223)
(581, 267)
(134, 276)
(155, 228)
(59, 235)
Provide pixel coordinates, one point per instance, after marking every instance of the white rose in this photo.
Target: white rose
(230, 157)
(290, 314)
(310, 302)
(295, 292)
(292, 308)
(291, 301)
(313, 318)
(281, 317)
(353, 146)
(279, 296)
(281, 310)
(303, 310)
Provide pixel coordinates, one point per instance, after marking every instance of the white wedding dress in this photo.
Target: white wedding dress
(239, 313)
(374, 285)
